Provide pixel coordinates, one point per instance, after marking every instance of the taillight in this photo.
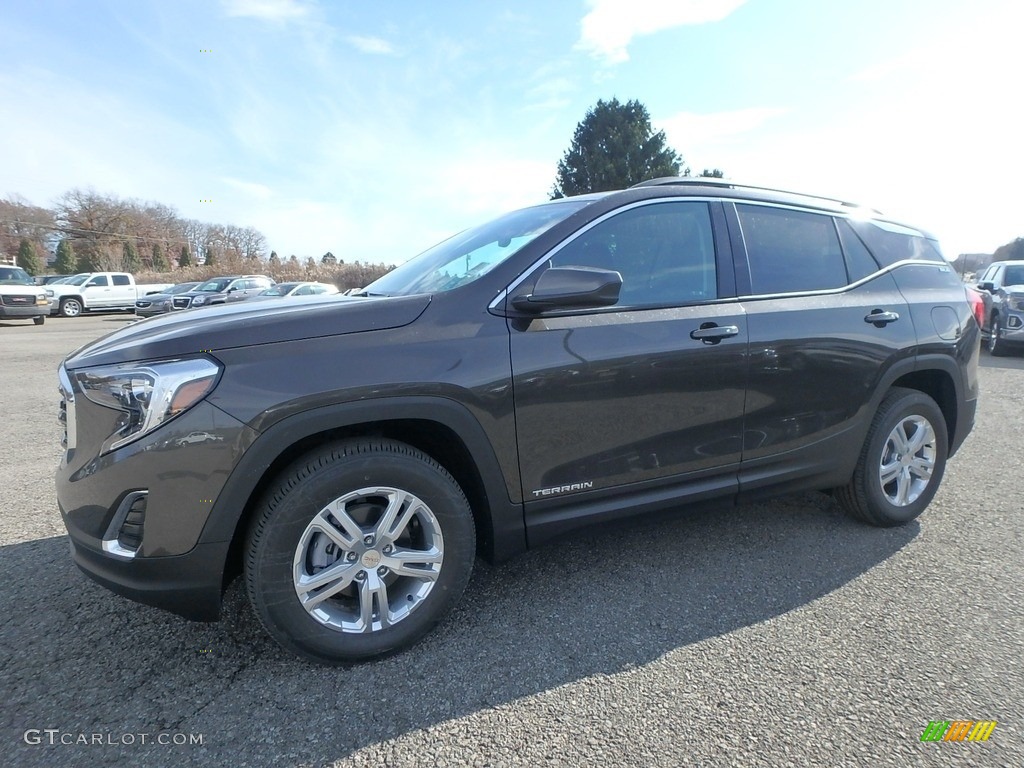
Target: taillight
(977, 306)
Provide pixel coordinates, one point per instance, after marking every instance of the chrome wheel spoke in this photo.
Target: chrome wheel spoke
(889, 472)
(340, 574)
(921, 467)
(419, 564)
(350, 527)
(398, 515)
(373, 598)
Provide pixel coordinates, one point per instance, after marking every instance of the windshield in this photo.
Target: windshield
(15, 275)
(77, 279)
(182, 288)
(214, 286)
(463, 258)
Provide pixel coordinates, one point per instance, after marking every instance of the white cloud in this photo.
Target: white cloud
(611, 25)
(268, 10)
(689, 129)
(253, 189)
(371, 44)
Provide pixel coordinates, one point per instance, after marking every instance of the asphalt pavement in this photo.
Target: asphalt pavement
(776, 634)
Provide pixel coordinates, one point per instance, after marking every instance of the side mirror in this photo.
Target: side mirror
(232, 289)
(571, 288)
(987, 286)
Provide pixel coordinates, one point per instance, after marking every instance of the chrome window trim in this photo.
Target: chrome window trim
(856, 284)
(525, 275)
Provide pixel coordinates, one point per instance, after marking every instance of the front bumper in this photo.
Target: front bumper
(29, 310)
(189, 585)
(1012, 328)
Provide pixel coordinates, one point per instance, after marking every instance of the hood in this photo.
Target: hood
(225, 326)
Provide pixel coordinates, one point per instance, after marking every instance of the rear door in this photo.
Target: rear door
(630, 395)
(810, 291)
(122, 291)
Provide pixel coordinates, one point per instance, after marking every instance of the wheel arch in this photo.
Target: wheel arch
(441, 428)
(938, 377)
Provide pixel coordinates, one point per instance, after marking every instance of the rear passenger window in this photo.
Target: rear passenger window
(859, 261)
(665, 253)
(791, 251)
(120, 279)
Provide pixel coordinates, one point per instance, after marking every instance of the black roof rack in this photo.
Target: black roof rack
(713, 181)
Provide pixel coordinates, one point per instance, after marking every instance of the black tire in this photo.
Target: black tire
(864, 497)
(39, 320)
(70, 307)
(283, 539)
(996, 346)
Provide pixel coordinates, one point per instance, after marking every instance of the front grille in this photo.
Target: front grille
(18, 301)
(143, 304)
(182, 302)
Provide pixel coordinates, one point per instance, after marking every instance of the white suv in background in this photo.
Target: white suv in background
(20, 297)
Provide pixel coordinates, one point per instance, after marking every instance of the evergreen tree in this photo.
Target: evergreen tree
(293, 260)
(159, 260)
(615, 147)
(66, 263)
(185, 257)
(712, 174)
(130, 261)
(274, 261)
(28, 259)
(328, 258)
(211, 256)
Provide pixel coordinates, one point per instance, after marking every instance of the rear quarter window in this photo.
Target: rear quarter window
(791, 251)
(891, 243)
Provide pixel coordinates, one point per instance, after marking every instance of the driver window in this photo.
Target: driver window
(664, 251)
(98, 280)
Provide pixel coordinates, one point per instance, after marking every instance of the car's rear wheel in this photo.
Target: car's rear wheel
(901, 463)
(996, 346)
(358, 550)
(70, 307)
(39, 320)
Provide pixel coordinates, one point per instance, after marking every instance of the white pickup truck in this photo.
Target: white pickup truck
(97, 290)
(20, 297)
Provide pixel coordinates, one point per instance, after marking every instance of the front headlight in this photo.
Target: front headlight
(198, 300)
(146, 394)
(49, 293)
(1016, 302)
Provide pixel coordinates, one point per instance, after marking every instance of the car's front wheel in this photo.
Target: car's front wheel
(901, 463)
(996, 346)
(358, 550)
(39, 320)
(70, 307)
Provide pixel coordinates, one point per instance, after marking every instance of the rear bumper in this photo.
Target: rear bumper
(188, 585)
(964, 424)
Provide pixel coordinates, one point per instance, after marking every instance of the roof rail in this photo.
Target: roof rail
(714, 181)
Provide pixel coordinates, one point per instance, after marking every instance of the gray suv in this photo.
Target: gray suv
(1004, 282)
(573, 363)
(222, 290)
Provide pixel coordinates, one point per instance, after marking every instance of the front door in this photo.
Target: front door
(649, 391)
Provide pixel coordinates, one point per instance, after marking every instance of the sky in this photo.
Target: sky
(375, 129)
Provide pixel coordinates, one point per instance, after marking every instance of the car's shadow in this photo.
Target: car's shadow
(76, 657)
(1014, 362)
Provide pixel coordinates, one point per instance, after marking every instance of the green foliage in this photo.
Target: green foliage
(66, 263)
(615, 147)
(28, 259)
(130, 261)
(84, 263)
(328, 258)
(159, 260)
(185, 257)
(211, 255)
(712, 174)
(274, 261)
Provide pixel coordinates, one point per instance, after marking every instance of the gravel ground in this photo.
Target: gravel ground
(778, 634)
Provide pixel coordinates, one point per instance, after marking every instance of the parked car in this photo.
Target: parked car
(97, 290)
(20, 297)
(680, 343)
(47, 279)
(158, 303)
(221, 290)
(283, 290)
(1003, 284)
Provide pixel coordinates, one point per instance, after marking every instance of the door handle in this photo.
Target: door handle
(710, 333)
(881, 317)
